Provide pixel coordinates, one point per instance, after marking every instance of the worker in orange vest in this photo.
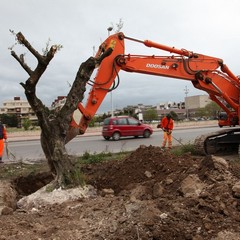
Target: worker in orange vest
(3, 137)
(167, 127)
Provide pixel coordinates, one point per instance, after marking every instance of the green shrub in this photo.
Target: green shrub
(26, 124)
(101, 157)
(74, 178)
(183, 149)
(94, 158)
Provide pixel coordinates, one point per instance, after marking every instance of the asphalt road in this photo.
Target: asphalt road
(31, 150)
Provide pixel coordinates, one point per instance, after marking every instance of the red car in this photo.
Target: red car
(124, 126)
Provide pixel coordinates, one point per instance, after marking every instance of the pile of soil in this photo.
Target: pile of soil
(150, 194)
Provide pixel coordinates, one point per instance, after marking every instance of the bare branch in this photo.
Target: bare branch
(51, 53)
(43, 61)
(22, 62)
(46, 49)
(22, 40)
(34, 75)
(104, 55)
(119, 26)
(78, 87)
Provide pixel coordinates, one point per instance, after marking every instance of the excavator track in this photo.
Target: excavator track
(220, 142)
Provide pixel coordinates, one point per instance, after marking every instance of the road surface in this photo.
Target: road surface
(31, 150)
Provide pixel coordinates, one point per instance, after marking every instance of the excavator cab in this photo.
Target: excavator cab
(225, 119)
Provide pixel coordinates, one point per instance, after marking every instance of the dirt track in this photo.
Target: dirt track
(149, 195)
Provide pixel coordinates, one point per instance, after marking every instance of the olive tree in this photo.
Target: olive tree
(55, 124)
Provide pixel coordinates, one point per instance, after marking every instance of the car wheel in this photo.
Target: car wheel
(146, 134)
(106, 138)
(116, 136)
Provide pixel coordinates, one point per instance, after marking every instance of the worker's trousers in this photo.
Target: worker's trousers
(1, 148)
(167, 138)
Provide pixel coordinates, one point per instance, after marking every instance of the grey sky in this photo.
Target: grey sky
(209, 27)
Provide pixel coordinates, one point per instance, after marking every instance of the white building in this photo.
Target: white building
(198, 101)
(21, 108)
(58, 102)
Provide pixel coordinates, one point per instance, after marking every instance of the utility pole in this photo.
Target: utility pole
(112, 114)
(186, 90)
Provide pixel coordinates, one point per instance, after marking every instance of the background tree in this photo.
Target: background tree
(174, 115)
(9, 119)
(26, 124)
(129, 111)
(201, 112)
(210, 110)
(55, 124)
(150, 114)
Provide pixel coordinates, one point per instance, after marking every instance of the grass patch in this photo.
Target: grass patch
(74, 178)
(11, 171)
(17, 130)
(183, 149)
(88, 158)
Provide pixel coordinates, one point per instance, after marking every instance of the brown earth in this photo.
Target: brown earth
(150, 194)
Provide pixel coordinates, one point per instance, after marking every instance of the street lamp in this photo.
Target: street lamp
(109, 29)
(186, 90)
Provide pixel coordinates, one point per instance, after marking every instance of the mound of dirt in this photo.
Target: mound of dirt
(151, 194)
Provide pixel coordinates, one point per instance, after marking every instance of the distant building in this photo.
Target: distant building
(58, 102)
(170, 105)
(20, 108)
(198, 101)
(182, 109)
(193, 103)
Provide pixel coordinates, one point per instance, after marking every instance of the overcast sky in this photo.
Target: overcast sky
(209, 27)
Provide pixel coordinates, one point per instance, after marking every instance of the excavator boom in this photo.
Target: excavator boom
(206, 73)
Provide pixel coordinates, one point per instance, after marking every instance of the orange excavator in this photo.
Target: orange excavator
(206, 73)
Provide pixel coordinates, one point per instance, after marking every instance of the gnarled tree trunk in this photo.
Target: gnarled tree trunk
(55, 124)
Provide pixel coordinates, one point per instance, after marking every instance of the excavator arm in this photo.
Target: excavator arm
(206, 73)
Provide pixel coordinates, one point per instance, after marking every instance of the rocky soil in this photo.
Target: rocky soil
(150, 194)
